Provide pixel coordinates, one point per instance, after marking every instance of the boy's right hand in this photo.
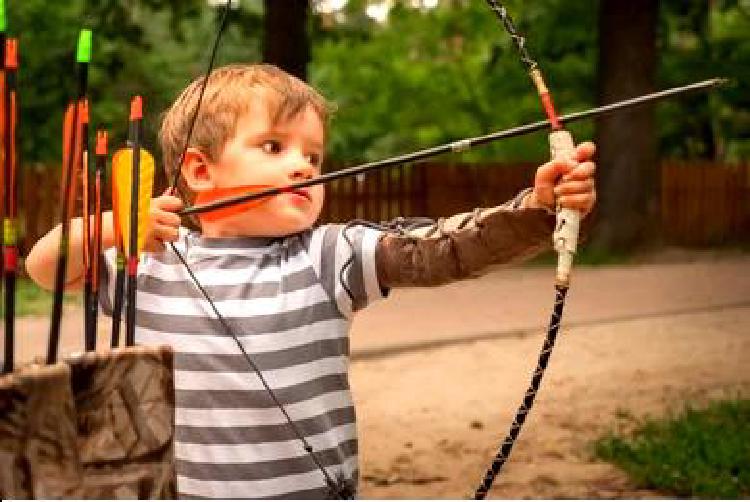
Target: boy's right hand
(164, 222)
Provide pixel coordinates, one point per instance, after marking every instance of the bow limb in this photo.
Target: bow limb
(565, 237)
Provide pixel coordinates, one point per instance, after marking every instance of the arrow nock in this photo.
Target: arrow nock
(3, 18)
(83, 53)
(102, 139)
(11, 54)
(136, 108)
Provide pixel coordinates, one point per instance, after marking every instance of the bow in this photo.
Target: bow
(565, 240)
(567, 245)
(565, 236)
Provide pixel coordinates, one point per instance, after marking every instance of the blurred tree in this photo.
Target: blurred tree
(702, 40)
(150, 47)
(286, 41)
(427, 76)
(628, 177)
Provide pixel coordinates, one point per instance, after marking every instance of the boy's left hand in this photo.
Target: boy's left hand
(570, 184)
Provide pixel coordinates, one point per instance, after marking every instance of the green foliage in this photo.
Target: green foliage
(703, 40)
(429, 77)
(151, 47)
(31, 300)
(702, 453)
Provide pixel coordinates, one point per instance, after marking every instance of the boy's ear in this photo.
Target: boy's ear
(196, 171)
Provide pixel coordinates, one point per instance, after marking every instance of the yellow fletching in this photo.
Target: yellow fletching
(122, 175)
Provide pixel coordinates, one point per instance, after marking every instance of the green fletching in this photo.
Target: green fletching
(83, 55)
(3, 20)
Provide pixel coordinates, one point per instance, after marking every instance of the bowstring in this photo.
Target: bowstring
(339, 489)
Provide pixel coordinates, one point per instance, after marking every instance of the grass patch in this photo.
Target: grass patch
(701, 453)
(31, 300)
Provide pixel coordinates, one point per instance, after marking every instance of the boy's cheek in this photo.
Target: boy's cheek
(318, 194)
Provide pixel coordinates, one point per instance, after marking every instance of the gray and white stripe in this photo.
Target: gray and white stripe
(284, 300)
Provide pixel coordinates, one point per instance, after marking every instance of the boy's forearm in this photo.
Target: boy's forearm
(463, 245)
(41, 263)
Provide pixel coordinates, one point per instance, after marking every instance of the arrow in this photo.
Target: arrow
(132, 182)
(10, 220)
(71, 159)
(86, 209)
(120, 257)
(461, 145)
(3, 27)
(94, 202)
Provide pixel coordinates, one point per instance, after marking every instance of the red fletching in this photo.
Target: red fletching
(10, 258)
(217, 194)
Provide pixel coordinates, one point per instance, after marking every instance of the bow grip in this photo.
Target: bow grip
(565, 237)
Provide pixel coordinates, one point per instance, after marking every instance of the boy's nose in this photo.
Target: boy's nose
(300, 170)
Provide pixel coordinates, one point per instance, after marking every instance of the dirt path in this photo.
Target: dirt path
(430, 420)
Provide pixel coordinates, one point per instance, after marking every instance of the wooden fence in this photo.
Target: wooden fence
(701, 204)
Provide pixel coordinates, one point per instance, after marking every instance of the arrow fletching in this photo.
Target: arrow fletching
(122, 176)
(224, 193)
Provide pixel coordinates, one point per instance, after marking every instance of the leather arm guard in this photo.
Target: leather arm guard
(462, 245)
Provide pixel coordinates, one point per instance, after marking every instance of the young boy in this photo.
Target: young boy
(288, 289)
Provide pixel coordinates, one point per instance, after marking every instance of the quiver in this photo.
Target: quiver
(98, 426)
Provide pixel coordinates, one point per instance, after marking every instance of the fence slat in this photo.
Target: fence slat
(701, 203)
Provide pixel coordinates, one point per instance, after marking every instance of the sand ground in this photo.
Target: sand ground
(438, 373)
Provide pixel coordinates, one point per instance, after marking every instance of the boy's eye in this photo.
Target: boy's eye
(314, 159)
(271, 146)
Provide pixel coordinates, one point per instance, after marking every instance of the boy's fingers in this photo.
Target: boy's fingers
(554, 169)
(575, 187)
(585, 151)
(582, 171)
(582, 202)
(165, 233)
(169, 203)
(165, 217)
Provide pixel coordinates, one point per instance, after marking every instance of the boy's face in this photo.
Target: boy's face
(276, 155)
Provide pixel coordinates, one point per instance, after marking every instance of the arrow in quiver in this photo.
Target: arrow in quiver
(10, 179)
(133, 180)
(92, 203)
(3, 26)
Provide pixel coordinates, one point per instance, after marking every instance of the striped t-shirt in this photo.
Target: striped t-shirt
(285, 300)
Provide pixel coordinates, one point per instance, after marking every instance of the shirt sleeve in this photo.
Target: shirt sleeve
(344, 259)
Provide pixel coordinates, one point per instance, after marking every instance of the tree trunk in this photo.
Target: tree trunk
(627, 175)
(286, 43)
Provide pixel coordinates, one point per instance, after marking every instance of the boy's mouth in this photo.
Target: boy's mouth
(301, 192)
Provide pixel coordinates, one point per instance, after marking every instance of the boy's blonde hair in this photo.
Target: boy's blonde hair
(230, 93)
